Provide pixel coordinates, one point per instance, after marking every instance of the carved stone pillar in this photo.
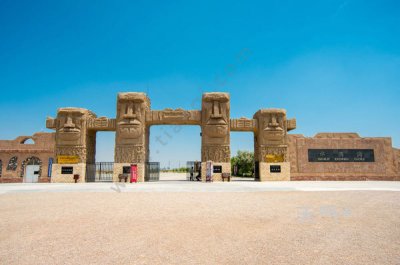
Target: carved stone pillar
(215, 124)
(75, 144)
(132, 136)
(270, 144)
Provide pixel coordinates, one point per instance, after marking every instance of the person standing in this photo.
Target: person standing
(191, 174)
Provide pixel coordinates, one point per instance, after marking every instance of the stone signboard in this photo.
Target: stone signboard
(274, 158)
(341, 155)
(68, 159)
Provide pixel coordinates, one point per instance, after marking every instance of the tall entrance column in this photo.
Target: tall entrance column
(270, 144)
(75, 144)
(215, 141)
(131, 139)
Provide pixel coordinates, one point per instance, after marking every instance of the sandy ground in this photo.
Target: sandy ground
(276, 227)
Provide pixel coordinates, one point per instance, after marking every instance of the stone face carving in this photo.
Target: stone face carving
(72, 134)
(131, 127)
(272, 127)
(271, 134)
(76, 129)
(215, 118)
(216, 127)
(131, 117)
(70, 126)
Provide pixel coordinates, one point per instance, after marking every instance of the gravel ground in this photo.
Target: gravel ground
(288, 227)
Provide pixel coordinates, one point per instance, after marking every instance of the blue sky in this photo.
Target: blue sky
(334, 65)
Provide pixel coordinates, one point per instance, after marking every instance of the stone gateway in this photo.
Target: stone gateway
(68, 152)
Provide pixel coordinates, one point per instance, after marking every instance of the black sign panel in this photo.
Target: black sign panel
(341, 155)
(275, 168)
(217, 169)
(126, 170)
(67, 170)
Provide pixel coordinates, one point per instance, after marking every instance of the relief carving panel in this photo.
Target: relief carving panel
(216, 153)
(130, 154)
(266, 151)
(171, 116)
(101, 124)
(79, 151)
(243, 124)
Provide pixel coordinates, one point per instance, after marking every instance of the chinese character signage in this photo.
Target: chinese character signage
(68, 159)
(274, 158)
(341, 155)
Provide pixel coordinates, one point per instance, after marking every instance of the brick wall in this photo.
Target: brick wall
(385, 167)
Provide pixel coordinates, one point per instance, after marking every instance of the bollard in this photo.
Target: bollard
(76, 177)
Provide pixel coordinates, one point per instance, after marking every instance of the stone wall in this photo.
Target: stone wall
(267, 175)
(14, 155)
(78, 169)
(226, 168)
(384, 167)
(118, 169)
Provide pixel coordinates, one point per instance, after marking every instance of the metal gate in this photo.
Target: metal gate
(152, 171)
(100, 172)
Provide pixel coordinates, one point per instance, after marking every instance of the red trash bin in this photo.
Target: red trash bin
(134, 173)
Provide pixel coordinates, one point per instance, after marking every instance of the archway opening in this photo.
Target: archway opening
(173, 146)
(101, 170)
(31, 169)
(242, 156)
(105, 144)
(28, 141)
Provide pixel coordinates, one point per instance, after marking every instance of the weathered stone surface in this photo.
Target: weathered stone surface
(215, 127)
(131, 137)
(226, 168)
(174, 117)
(101, 124)
(243, 125)
(267, 175)
(73, 138)
(118, 169)
(385, 166)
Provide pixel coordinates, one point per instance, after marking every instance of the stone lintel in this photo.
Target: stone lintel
(101, 124)
(243, 125)
(173, 117)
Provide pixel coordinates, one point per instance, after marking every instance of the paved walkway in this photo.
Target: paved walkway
(187, 186)
(202, 227)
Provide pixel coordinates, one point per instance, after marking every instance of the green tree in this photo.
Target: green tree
(244, 160)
